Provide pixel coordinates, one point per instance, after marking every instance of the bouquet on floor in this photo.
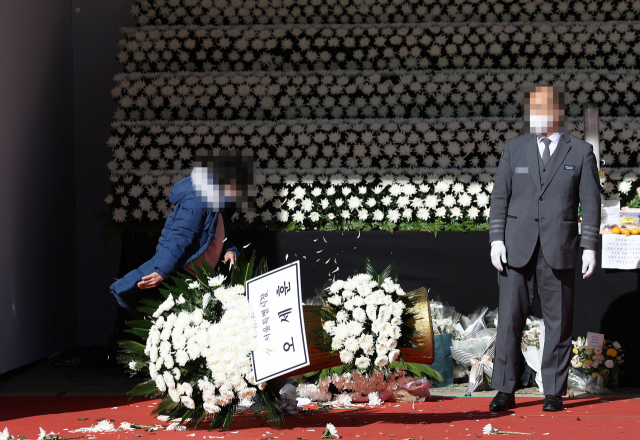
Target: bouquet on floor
(474, 347)
(532, 346)
(444, 316)
(365, 322)
(475, 352)
(480, 319)
(197, 348)
(593, 367)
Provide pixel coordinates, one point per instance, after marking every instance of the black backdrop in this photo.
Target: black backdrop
(454, 265)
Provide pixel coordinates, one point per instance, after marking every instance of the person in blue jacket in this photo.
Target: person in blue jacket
(195, 228)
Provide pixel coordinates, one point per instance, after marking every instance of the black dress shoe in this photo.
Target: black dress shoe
(502, 402)
(552, 403)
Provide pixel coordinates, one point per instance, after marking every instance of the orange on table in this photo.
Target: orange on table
(615, 230)
(635, 231)
(626, 232)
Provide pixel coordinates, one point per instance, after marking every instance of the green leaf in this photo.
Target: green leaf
(147, 310)
(143, 333)
(418, 370)
(144, 389)
(140, 323)
(154, 303)
(132, 347)
(165, 405)
(222, 420)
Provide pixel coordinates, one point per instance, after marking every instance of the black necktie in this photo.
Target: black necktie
(546, 154)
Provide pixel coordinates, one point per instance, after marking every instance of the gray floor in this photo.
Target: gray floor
(95, 376)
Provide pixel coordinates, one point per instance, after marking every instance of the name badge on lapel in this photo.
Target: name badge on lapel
(569, 167)
(522, 170)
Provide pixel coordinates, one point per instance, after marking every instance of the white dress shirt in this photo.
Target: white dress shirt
(555, 138)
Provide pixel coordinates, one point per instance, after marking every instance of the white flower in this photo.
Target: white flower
(216, 281)
(187, 389)
(343, 399)
(362, 362)
(332, 431)
(43, 434)
(359, 314)
(176, 427)
(616, 345)
(188, 402)
(126, 426)
(4, 435)
(374, 399)
(608, 363)
(381, 361)
(488, 429)
(346, 356)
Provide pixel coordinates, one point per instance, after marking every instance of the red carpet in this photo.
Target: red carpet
(439, 418)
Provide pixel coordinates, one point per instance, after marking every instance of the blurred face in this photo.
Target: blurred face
(223, 181)
(231, 190)
(543, 113)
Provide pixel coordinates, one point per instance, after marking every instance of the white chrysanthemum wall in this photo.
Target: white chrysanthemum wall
(361, 114)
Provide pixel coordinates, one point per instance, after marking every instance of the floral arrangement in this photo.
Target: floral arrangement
(364, 322)
(531, 334)
(599, 363)
(366, 326)
(194, 354)
(326, 91)
(342, 202)
(314, 145)
(443, 316)
(229, 12)
(532, 347)
(363, 94)
(343, 389)
(613, 352)
(373, 47)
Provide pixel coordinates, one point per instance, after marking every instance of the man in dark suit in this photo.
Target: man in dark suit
(533, 228)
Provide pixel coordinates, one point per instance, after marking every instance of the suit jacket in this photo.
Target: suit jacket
(522, 209)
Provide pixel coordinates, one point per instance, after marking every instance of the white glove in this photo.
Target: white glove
(498, 254)
(588, 262)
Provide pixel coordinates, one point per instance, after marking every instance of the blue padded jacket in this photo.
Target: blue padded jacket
(187, 233)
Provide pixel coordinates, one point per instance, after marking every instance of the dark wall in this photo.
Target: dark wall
(96, 31)
(37, 204)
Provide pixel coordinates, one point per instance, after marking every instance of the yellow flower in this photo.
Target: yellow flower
(604, 341)
(575, 351)
(612, 352)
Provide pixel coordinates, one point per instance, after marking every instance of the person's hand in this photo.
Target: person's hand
(588, 263)
(230, 256)
(498, 254)
(150, 281)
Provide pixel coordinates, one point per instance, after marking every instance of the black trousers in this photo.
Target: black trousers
(517, 289)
